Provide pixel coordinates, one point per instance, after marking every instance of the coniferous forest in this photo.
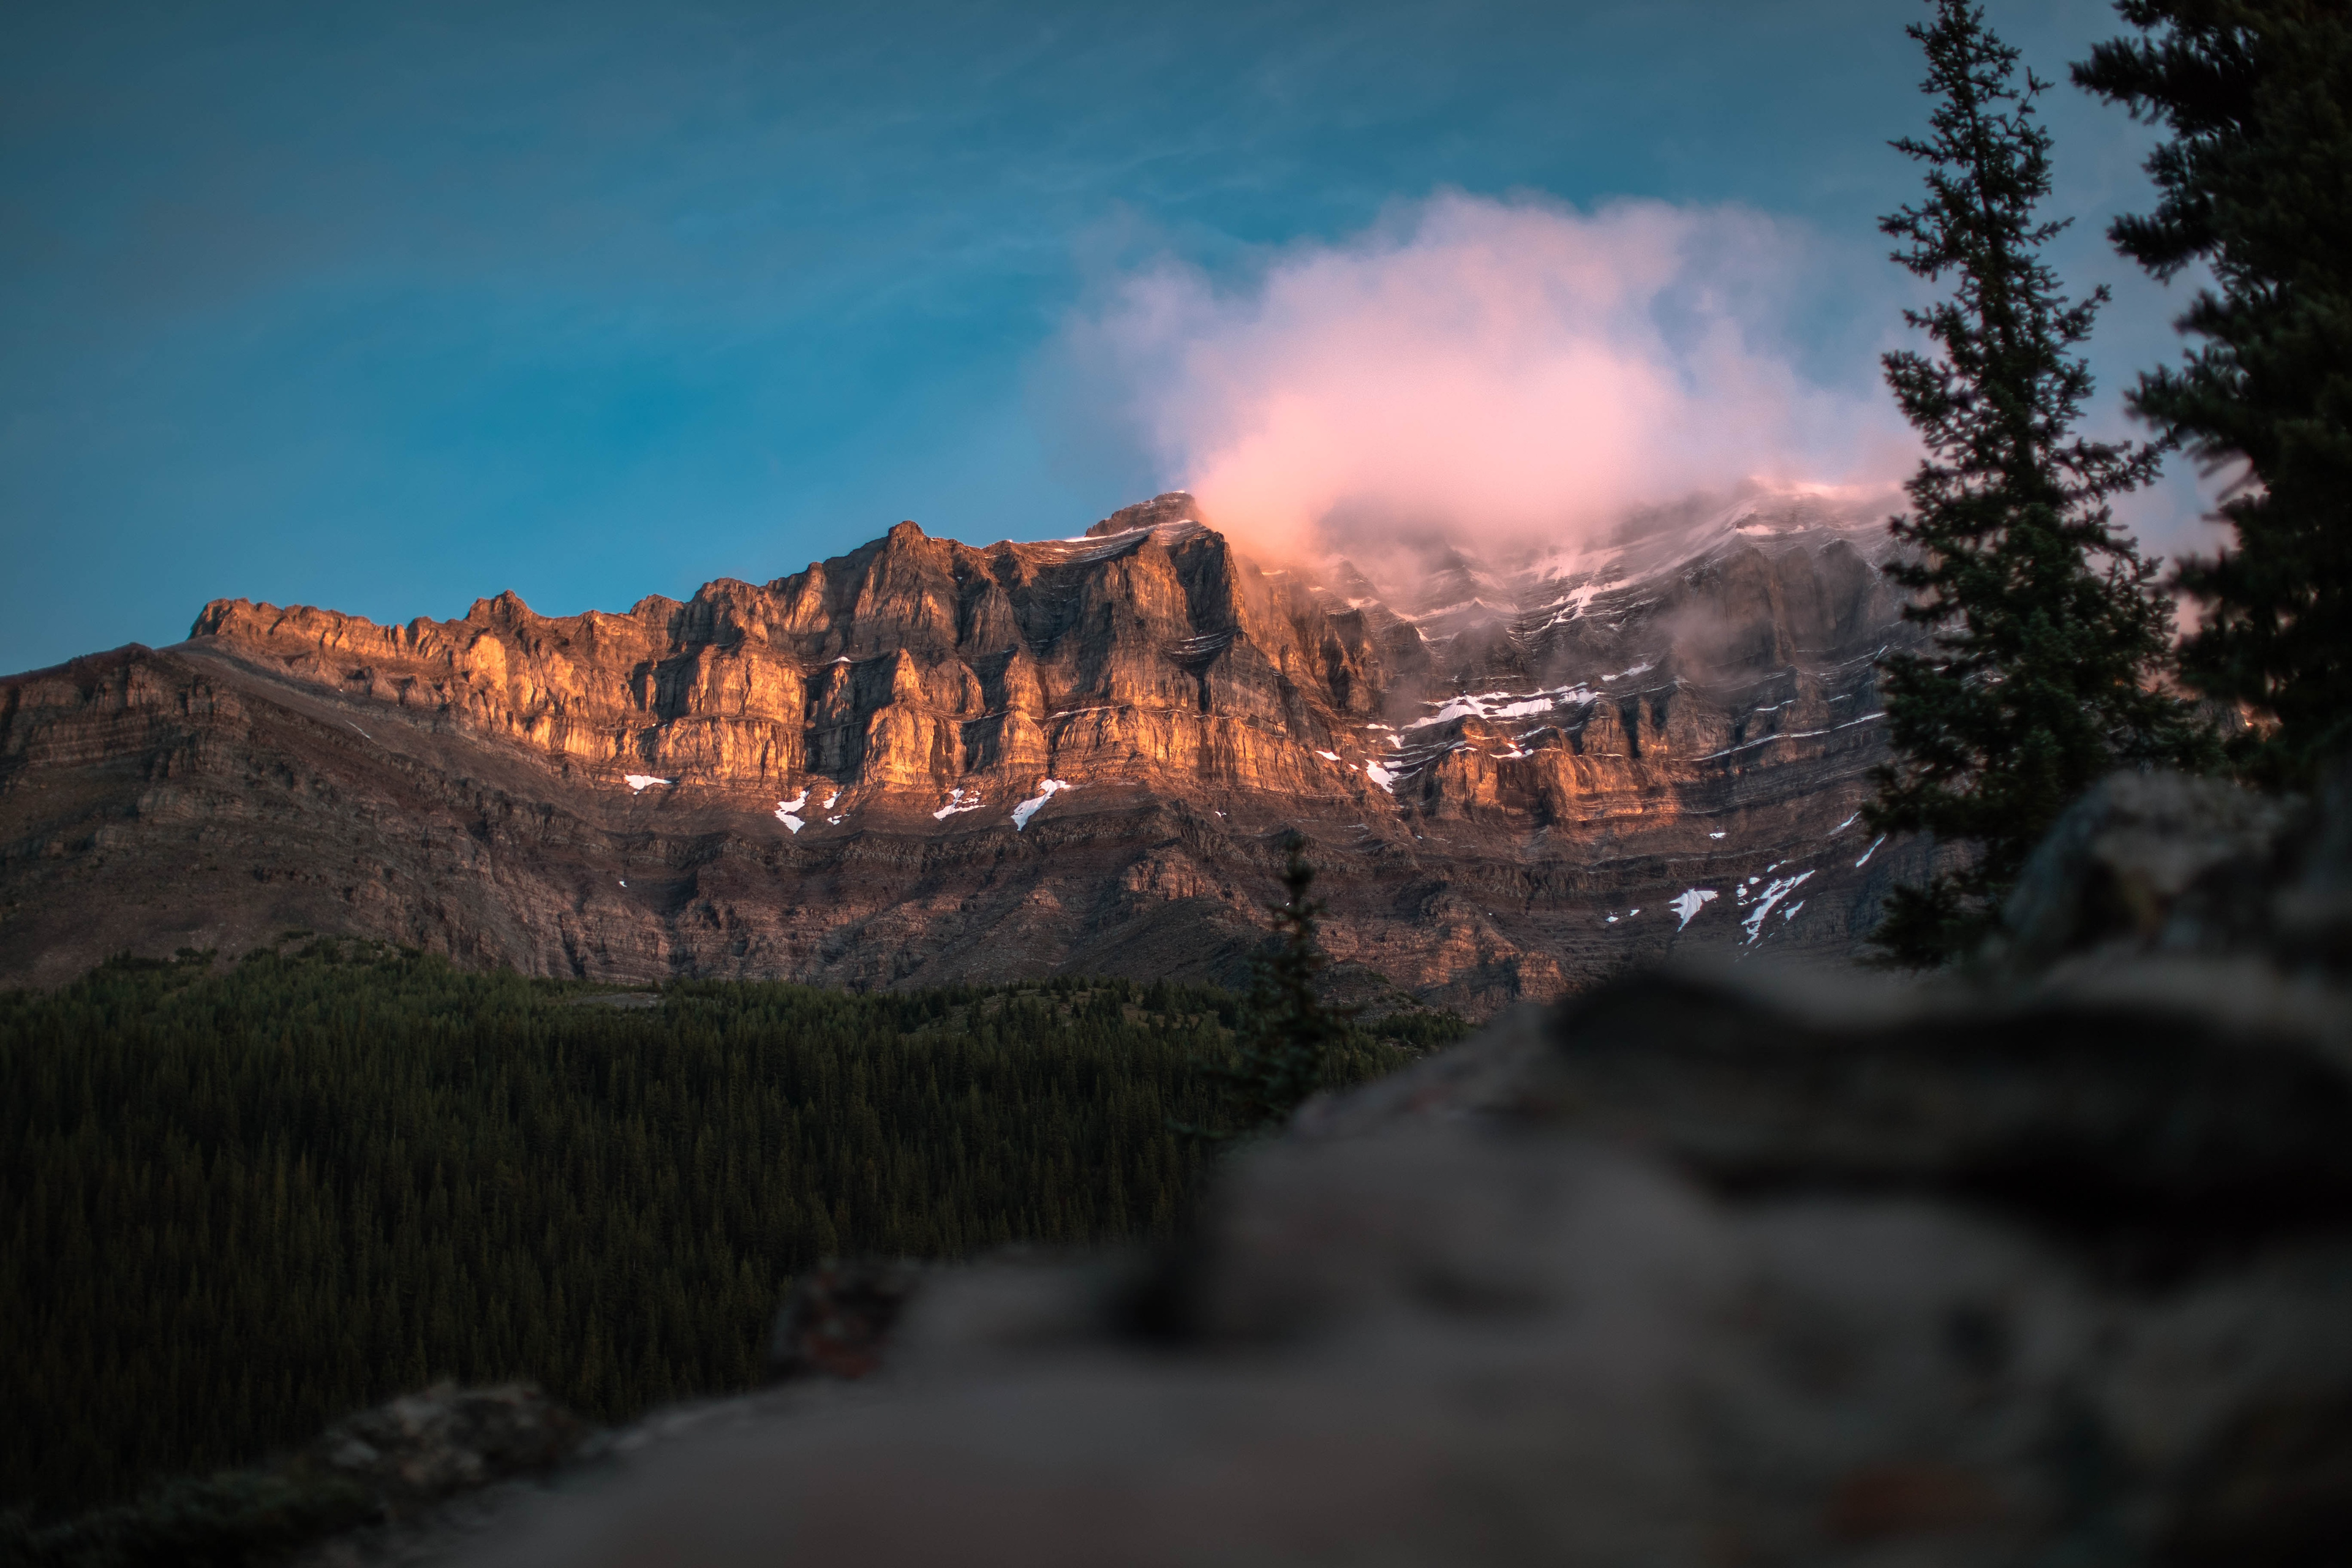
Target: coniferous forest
(246, 1198)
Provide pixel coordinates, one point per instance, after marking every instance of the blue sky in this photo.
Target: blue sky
(390, 308)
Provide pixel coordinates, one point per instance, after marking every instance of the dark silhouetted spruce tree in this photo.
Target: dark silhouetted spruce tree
(2256, 183)
(2051, 641)
(1286, 1033)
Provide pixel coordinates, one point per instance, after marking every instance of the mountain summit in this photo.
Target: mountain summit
(925, 761)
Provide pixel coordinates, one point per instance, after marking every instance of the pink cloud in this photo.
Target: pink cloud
(1507, 369)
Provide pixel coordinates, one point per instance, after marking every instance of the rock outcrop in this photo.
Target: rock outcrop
(410, 1480)
(926, 761)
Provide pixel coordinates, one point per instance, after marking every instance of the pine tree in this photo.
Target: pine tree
(2256, 182)
(1287, 1036)
(2050, 639)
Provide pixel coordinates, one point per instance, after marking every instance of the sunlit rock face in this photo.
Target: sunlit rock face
(837, 775)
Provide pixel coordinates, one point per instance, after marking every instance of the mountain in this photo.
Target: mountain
(924, 762)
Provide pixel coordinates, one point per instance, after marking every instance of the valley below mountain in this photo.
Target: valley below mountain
(924, 762)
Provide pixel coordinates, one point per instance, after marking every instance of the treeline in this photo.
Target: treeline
(245, 1199)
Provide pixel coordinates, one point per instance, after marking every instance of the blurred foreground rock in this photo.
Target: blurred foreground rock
(2050, 1264)
(838, 1318)
(2053, 1265)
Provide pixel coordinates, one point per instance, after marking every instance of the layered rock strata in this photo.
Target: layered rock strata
(924, 761)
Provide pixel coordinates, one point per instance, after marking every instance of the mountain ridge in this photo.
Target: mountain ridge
(927, 761)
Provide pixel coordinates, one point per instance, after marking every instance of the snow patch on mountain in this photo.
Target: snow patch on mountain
(959, 799)
(1780, 888)
(1505, 705)
(1690, 901)
(1047, 790)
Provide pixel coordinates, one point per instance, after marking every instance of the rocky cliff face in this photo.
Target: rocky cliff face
(924, 761)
